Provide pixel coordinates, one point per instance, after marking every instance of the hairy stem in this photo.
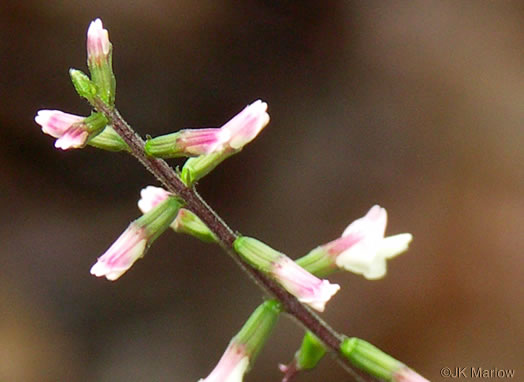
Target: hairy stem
(194, 202)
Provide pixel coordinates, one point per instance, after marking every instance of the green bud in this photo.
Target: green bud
(310, 353)
(187, 222)
(196, 168)
(83, 85)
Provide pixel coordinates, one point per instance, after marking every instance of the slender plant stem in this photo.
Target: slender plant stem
(226, 236)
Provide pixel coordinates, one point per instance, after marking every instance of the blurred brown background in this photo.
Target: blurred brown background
(418, 107)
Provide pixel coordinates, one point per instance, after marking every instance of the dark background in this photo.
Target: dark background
(418, 107)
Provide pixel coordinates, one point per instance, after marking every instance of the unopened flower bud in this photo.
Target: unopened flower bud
(99, 57)
(311, 351)
(83, 85)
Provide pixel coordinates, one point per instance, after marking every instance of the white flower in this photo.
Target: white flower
(363, 249)
(98, 44)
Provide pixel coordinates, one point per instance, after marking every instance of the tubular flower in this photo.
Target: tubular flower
(135, 240)
(128, 248)
(70, 129)
(306, 287)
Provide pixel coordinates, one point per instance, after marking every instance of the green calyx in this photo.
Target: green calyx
(370, 358)
(198, 167)
(159, 218)
(258, 254)
(101, 70)
(318, 262)
(310, 353)
(108, 140)
(164, 146)
(258, 327)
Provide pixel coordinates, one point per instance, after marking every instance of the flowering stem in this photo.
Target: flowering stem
(225, 235)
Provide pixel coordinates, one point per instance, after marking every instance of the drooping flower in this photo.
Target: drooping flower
(70, 129)
(135, 240)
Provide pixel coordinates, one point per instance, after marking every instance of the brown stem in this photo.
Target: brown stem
(170, 180)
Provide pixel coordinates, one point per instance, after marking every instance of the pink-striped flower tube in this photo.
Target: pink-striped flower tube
(363, 249)
(306, 287)
(70, 129)
(127, 249)
(232, 366)
(98, 45)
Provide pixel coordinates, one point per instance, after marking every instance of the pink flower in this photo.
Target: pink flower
(199, 141)
(363, 248)
(98, 44)
(245, 126)
(150, 197)
(231, 367)
(307, 288)
(127, 249)
(70, 129)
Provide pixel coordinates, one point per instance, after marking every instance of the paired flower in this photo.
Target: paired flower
(230, 138)
(306, 287)
(361, 249)
(135, 240)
